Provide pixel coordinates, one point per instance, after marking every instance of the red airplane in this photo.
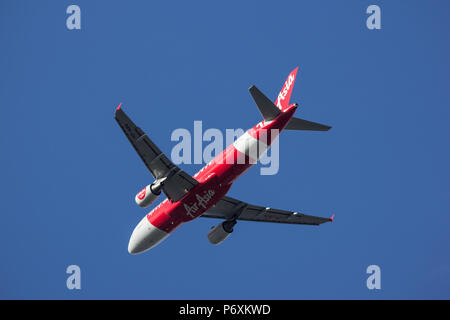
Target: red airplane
(204, 194)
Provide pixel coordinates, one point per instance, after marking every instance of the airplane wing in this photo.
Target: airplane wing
(229, 208)
(178, 182)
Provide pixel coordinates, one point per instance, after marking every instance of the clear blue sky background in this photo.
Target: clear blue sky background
(69, 176)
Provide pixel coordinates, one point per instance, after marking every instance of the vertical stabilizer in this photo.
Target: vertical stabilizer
(282, 101)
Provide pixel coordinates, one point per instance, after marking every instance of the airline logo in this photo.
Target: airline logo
(286, 89)
(141, 195)
(202, 201)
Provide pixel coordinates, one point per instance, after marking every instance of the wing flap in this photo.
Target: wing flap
(178, 182)
(229, 208)
(152, 157)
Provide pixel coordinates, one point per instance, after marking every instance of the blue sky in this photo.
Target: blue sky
(69, 176)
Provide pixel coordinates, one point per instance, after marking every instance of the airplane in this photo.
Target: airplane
(204, 194)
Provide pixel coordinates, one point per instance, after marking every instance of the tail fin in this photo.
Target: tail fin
(268, 110)
(282, 101)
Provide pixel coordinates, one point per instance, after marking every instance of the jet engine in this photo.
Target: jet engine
(149, 194)
(220, 232)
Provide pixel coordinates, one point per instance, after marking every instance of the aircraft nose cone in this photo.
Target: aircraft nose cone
(131, 249)
(144, 237)
(137, 239)
(133, 246)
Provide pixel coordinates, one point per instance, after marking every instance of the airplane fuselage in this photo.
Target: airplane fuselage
(215, 179)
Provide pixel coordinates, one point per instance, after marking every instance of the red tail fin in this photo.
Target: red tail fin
(282, 101)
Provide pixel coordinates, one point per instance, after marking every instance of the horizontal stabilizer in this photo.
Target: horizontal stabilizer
(300, 124)
(268, 110)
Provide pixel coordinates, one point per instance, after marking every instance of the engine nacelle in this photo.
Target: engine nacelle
(149, 194)
(220, 232)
